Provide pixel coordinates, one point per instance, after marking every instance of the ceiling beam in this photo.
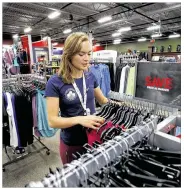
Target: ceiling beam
(142, 25)
(84, 8)
(112, 15)
(134, 10)
(61, 9)
(136, 29)
(158, 11)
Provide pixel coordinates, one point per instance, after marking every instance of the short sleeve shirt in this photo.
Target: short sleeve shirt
(70, 105)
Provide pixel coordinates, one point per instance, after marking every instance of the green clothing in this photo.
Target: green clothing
(131, 81)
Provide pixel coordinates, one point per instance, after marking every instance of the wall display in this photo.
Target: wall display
(160, 82)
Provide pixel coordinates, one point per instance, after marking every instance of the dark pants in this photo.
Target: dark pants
(66, 152)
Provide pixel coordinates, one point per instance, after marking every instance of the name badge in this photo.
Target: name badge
(87, 112)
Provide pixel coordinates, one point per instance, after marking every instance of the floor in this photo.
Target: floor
(33, 167)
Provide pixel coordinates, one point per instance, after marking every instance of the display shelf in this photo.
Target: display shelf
(48, 75)
(166, 53)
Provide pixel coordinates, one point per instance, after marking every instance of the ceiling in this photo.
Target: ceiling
(84, 17)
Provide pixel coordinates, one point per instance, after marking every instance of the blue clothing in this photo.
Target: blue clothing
(43, 127)
(70, 105)
(102, 74)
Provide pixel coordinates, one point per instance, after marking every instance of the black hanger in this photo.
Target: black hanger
(104, 110)
(118, 114)
(123, 115)
(111, 111)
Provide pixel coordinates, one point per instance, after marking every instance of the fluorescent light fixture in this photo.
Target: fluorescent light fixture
(153, 27)
(142, 39)
(54, 44)
(116, 42)
(156, 35)
(105, 19)
(98, 44)
(54, 14)
(67, 31)
(116, 34)
(124, 29)
(174, 35)
(15, 36)
(28, 29)
(45, 38)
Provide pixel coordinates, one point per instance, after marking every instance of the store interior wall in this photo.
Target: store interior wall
(143, 46)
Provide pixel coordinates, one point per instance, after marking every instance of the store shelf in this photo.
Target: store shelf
(52, 66)
(48, 75)
(166, 53)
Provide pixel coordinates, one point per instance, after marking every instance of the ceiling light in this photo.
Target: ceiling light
(116, 34)
(156, 35)
(142, 39)
(105, 19)
(67, 31)
(116, 42)
(54, 44)
(153, 27)
(15, 36)
(54, 15)
(174, 35)
(26, 30)
(124, 29)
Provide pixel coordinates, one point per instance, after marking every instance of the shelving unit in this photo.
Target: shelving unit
(159, 56)
(166, 53)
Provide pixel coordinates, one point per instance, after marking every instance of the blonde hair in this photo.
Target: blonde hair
(72, 46)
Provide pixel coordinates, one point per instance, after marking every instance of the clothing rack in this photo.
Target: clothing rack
(16, 78)
(156, 106)
(161, 139)
(73, 174)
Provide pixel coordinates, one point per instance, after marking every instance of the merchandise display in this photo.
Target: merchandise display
(91, 94)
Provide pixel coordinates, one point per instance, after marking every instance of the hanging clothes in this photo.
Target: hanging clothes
(43, 127)
(12, 125)
(123, 80)
(131, 82)
(102, 74)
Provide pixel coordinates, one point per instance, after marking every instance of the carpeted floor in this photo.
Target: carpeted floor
(33, 167)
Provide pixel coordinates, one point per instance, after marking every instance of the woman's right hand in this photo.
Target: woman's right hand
(91, 121)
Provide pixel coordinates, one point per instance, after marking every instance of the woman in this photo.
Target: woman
(73, 91)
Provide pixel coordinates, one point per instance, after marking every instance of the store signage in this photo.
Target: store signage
(39, 49)
(105, 54)
(156, 83)
(159, 82)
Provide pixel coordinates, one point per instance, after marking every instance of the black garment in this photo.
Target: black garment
(111, 70)
(24, 68)
(23, 110)
(24, 56)
(118, 77)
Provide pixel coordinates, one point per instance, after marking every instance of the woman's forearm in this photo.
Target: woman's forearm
(62, 122)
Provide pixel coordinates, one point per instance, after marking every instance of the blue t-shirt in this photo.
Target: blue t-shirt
(70, 105)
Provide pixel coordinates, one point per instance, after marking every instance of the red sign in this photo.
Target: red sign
(157, 82)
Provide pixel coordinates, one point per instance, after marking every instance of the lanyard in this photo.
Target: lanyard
(83, 103)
